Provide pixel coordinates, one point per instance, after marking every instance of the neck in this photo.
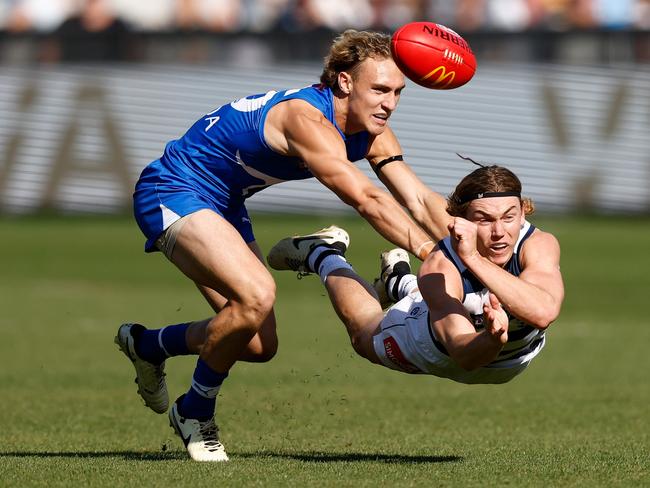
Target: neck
(341, 110)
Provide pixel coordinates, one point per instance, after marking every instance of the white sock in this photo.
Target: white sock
(405, 284)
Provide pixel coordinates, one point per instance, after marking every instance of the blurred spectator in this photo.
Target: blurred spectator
(210, 15)
(581, 14)
(642, 14)
(509, 15)
(614, 14)
(93, 33)
(391, 14)
(263, 15)
(34, 15)
(147, 15)
(470, 15)
(338, 15)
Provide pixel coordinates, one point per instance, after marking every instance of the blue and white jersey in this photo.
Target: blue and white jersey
(522, 337)
(223, 159)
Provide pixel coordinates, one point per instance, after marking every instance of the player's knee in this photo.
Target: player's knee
(265, 351)
(256, 304)
(360, 344)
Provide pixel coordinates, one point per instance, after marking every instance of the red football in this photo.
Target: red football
(433, 55)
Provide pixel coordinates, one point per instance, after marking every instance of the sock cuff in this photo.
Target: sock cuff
(172, 341)
(318, 254)
(398, 286)
(323, 255)
(205, 375)
(161, 343)
(332, 263)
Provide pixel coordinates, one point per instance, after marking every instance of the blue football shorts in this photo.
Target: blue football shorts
(160, 201)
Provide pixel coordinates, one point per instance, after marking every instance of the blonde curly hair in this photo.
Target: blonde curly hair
(349, 50)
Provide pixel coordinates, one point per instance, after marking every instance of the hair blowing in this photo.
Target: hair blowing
(483, 180)
(349, 50)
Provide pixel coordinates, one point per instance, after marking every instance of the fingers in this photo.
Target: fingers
(494, 302)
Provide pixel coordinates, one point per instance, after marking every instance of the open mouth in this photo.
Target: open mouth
(380, 118)
(499, 247)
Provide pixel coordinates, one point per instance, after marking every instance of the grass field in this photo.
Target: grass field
(316, 415)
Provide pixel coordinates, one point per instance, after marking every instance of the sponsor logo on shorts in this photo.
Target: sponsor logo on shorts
(394, 353)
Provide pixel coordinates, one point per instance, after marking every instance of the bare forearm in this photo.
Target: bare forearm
(524, 300)
(432, 216)
(393, 223)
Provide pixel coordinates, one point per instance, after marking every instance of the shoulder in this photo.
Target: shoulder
(439, 277)
(438, 261)
(540, 244)
(542, 239)
(296, 111)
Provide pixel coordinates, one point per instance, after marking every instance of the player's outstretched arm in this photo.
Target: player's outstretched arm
(305, 133)
(442, 290)
(428, 208)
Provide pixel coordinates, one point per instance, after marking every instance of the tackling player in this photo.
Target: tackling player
(190, 205)
(482, 300)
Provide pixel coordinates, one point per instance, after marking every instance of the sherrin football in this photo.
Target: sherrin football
(433, 55)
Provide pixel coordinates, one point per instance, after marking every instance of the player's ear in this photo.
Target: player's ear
(345, 82)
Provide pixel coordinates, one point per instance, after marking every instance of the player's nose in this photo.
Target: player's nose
(497, 228)
(390, 102)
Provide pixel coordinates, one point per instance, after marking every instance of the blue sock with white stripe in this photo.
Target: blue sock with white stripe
(201, 399)
(157, 345)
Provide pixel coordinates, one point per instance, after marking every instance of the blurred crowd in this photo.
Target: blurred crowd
(128, 30)
(230, 16)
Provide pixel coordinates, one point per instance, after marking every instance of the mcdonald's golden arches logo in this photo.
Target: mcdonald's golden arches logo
(445, 78)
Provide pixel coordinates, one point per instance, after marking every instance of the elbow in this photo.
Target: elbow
(543, 318)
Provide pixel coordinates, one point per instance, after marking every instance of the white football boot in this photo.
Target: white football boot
(291, 253)
(201, 439)
(395, 262)
(149, 377)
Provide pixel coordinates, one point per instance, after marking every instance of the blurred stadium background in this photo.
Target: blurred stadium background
(91, 90)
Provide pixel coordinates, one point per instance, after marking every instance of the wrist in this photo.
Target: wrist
(472, 260)
(424, 249)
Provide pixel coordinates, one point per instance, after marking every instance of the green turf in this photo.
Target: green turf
(316, 415)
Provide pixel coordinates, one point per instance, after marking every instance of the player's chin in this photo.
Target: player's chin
(377, 126)
(499, 257)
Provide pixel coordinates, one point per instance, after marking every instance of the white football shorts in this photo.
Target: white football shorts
(406, 343)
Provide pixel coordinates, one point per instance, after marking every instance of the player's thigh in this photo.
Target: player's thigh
(212, 253)
(267, 332)
(214, 298)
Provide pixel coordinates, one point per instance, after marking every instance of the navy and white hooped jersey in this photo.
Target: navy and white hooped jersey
(225, 155)
(522, 337)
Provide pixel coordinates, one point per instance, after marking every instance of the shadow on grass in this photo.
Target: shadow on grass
(126, 455)
(336, 457)
(308, 456)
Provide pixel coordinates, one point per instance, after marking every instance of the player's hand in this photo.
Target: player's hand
(463, 238)
(495, 319)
